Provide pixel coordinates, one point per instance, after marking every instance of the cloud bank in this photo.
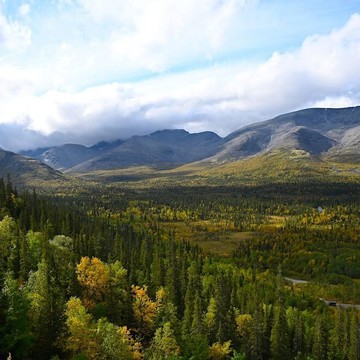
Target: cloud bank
(40, 106)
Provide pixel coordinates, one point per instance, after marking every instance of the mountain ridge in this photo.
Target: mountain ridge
(23, 170)
(316, 131)
(320, 132)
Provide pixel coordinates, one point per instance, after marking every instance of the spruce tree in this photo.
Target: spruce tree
(321, 339)
(279, 339)
(354, 346)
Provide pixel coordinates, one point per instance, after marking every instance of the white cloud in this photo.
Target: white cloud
(24, 9)
(157, 34)
(15, 83)
(14, 35)
(338, 101)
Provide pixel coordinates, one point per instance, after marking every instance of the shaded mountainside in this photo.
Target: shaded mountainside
(22, 169)
(332, 134)
(162, 148)
(66, 156)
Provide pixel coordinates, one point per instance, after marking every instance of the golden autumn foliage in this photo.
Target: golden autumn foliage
(161, 295)
(93, 275)
(243, 323)
(82, 338)
(134, 345)
(220, 351)
(97, 340)
(144, 309)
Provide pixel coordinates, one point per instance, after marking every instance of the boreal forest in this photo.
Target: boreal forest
(247, 272)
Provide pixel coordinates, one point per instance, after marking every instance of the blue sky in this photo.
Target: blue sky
(89, 70)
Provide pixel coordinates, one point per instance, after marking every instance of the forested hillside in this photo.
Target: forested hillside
(180, 274)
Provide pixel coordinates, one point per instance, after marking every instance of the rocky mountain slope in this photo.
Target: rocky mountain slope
(325, 132)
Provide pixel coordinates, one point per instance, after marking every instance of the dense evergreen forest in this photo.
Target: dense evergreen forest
(181, 273)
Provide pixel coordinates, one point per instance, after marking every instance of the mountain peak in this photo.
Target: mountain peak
(169, 133)
(317, 131)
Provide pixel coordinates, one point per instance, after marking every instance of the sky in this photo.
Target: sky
(83, 71)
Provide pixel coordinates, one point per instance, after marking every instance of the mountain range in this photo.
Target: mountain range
(324, 133)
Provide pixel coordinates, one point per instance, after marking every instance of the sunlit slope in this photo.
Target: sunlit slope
(319, 132)
(275, 167)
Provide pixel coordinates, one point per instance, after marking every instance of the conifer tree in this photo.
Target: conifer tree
(8, 244)
(193, 286)
(256, 347)
(164, 344)
(24, 267)
(321, 341)
(209, 320)
(224, 321)
(47, 315)
(117, 296)
(279, 339)
(298, 341)
(15, 329)
(337, 336)
(197, 326)
(354, 344)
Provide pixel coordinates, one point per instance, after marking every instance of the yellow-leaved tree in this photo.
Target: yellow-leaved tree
(97, 340)
(93, 276)
(220, 351)
(82, 338)
(144, 309)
